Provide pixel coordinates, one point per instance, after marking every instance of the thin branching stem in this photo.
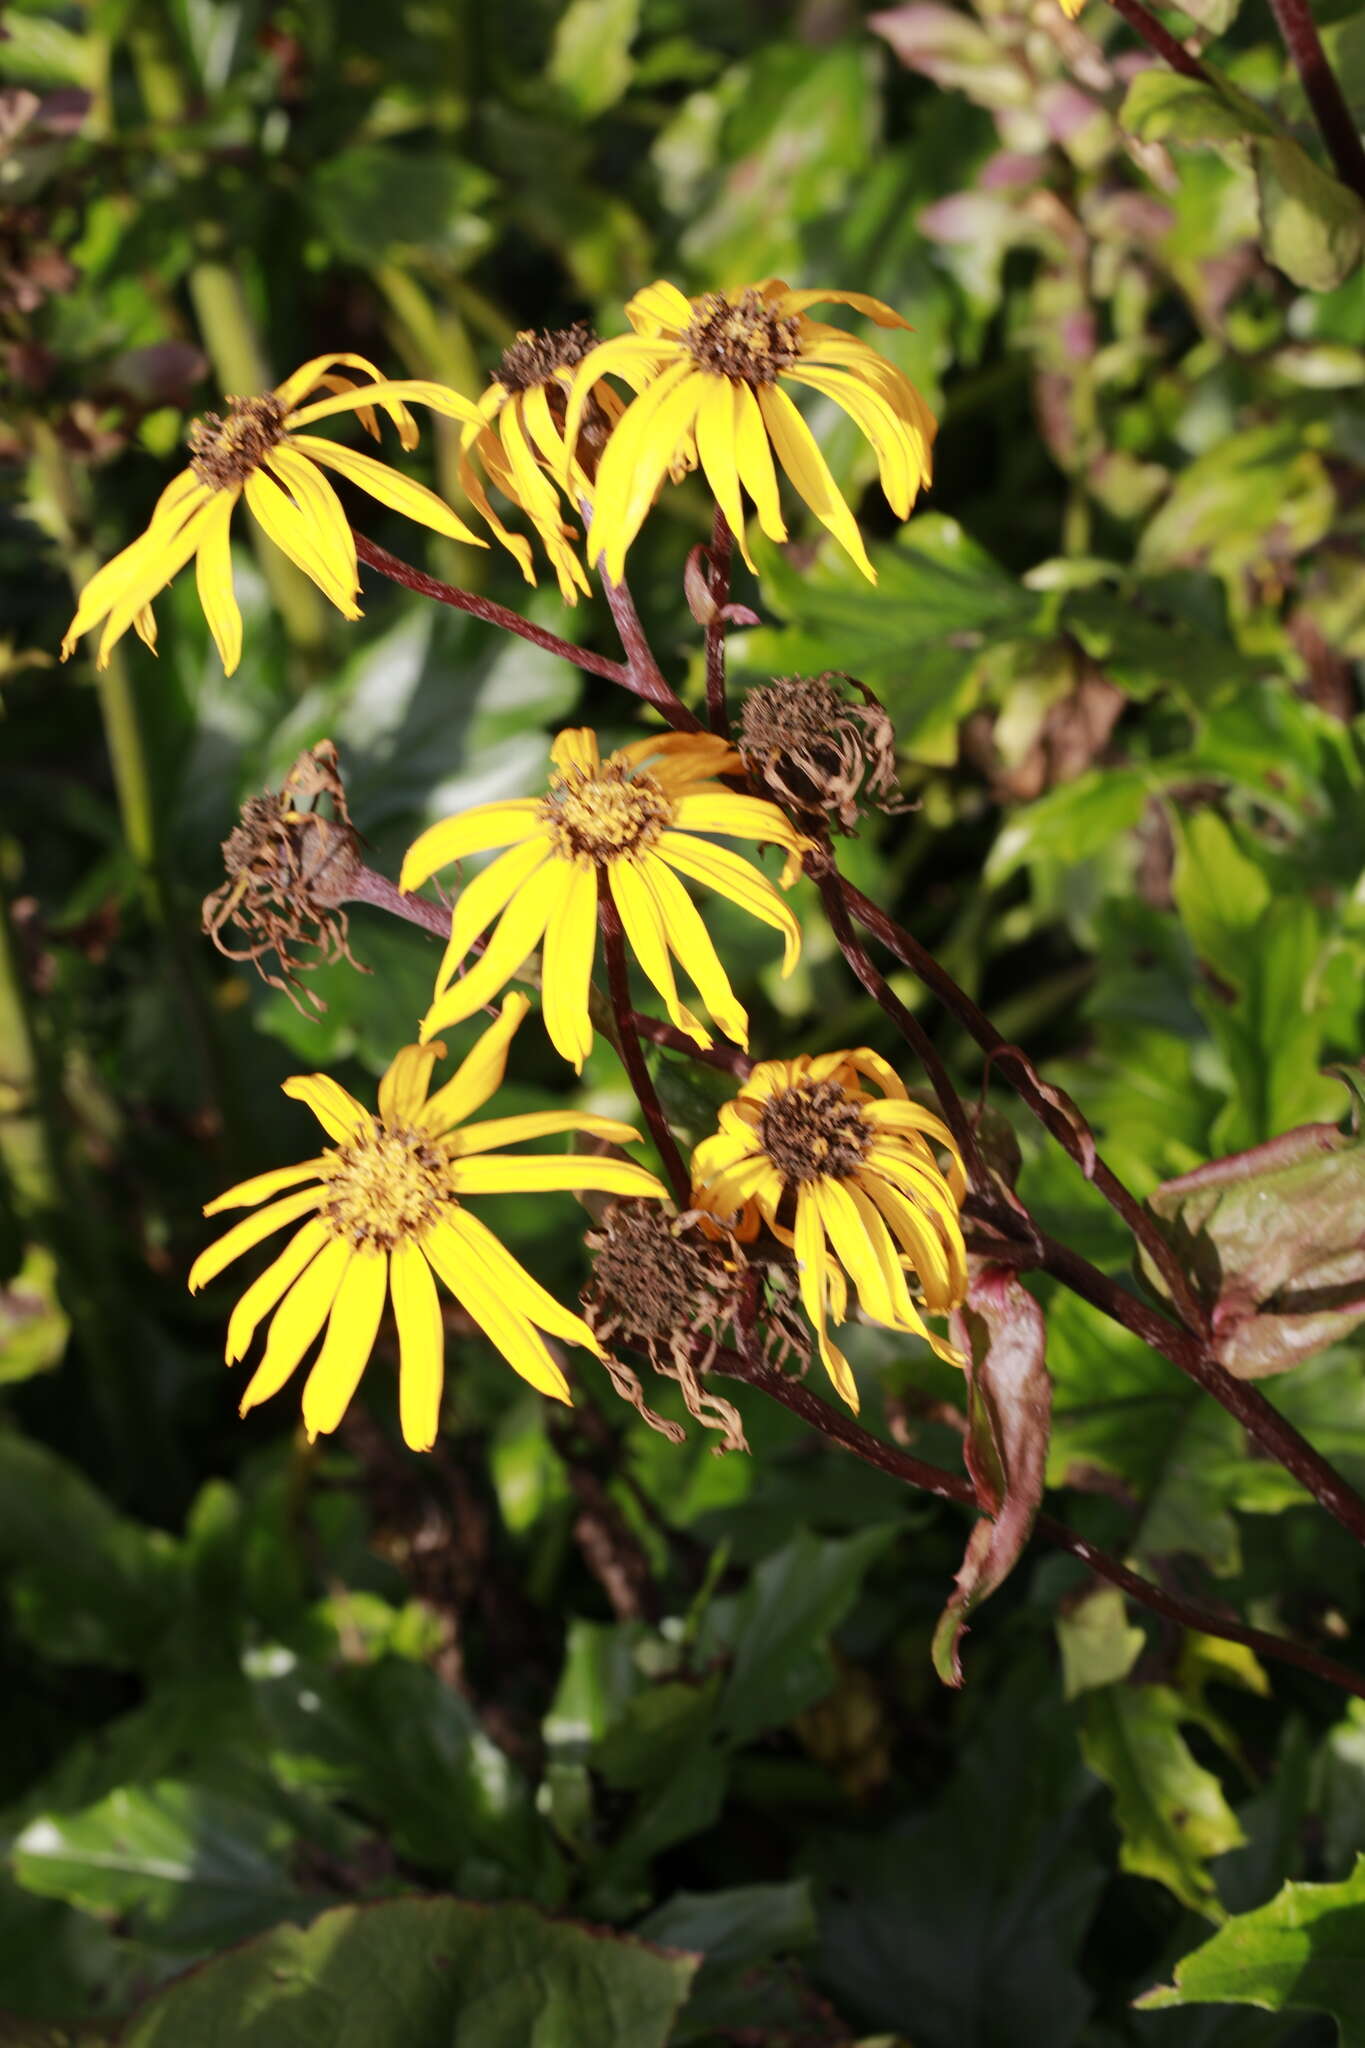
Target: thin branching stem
(1336, 125)
(718, 562)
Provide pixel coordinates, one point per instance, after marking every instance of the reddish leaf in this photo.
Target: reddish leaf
(1002, 1335)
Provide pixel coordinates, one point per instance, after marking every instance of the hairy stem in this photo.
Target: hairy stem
(1336, 126)
(718, 581)
(851, 1436)
(632, 1053)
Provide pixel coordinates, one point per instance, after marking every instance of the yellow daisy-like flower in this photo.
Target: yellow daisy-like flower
(631, 821)
(849, 1179)
(519, 439)
(259, 453)
(714, 372)
(384, 1212)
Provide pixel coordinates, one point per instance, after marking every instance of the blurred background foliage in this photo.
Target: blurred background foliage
(560, 1664)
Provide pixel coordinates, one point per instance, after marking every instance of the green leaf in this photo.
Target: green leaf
(1162, 106)
(1098, 1644)
(374, 199)
(735, 1932)
(191, 1867)
(1218, 891)
(424, 1973)
(1072, 822)
(590, 61)
(1313, 226)
(1303, 1952)
(1226, 503)
(1001, 1333)
(1171, 1813)
(33, 1324)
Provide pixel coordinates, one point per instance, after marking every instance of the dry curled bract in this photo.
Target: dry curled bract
(820, 753)
(289, 871)
(674, 1288)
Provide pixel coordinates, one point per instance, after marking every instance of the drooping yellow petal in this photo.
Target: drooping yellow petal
(504, 1174)
(400, 493)
(479, 1074)
(183, 496)
(213, 576)
(335, 1108)
(267, 1289)
(801, 458)
(421, 1344)
(626, 356)
(809, 1244)
(298, 1319)
(540, 1123)
(321, 509)
(474, 831)
(351, 1331)
(250, 1231)
(248, 1192)
(403, 1089)
(438, 398)
(518, 1287)
(488, 894)
(686, 933)
(644, 929)
(653, 437)
(167, 553)
(884, 1251)
(853, 1249)
(785, 301)
(897, 461)
(300, 539)
(311, 374)
(516, 544)
(737, 817)
(515, 939)
(717, 448)
(723, 870)
(675, 759)
(566, 968)
(458, 1260)
(756, 463)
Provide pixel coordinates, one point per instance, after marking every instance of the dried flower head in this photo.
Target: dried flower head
(289, 871)
(673, 1288)
(820, 753)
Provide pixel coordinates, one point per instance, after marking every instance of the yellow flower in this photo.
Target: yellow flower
(258, 452)
(630, 821)
(850, 1181)
(526, 402)
(384, 1211)
(714, 371)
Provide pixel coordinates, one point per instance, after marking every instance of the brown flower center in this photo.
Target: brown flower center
(534, 358)
(385, 1186)
(608, 814)
(224, 452)
(742, 338)
(814, 1130)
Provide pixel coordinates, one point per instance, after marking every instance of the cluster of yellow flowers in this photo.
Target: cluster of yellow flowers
(829, 1153)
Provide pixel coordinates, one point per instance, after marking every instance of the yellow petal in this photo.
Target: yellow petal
(677, 758)
(421, 1344)
(266, 1290)
(566, 968)
(897, 461)
(875, 309)
(517, 1286)
(686, 933)
(213, 574)
(439, 398)
(863, 1060)
(576, 747)
(400, 493)
(540, 1123)
(248, 1192)
(457, 1258)
(298, 1319)
(479, 1074)
(474, 831)
(716, 446)
(644, 929)
(884, 1251)
(723, 870)
(403, 1090)
(346, 1349)
(250, 1231)
(499, 1174)
(660, 307)
(314, 372)
(654, 437)
(809, 1242)
(321, 509)
(516, 937)
(488, 895)
(167, 553)
(756, 463)
(626, 355)
(183, 495)
(806, 466)
(516, 546)
(737, 817)
(300, 539)
(853, 1249)
(335, 1108)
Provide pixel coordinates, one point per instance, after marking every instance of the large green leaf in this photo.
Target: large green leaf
(1171, 1813)
(424, 1973)
(1303, 1952)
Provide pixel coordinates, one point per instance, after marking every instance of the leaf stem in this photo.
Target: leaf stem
(1336, 126)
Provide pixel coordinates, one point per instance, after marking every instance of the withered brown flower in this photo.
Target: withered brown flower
(819, 753)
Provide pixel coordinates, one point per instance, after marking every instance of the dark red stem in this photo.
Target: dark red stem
(369, 887)
(851, 1436)
(1158, 38)
(730, 1059)
(1335, 124)
(642, 671)
(632, 1054)
(719, 557)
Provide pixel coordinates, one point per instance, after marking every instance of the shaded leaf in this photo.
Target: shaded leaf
(1313, 226)
(1170, 1812)
(33, 1324)
(1099, 1646)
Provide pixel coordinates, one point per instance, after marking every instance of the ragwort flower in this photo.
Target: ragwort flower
(631, 821)
(849, 1179)
(519, 439)
(384, 1212)
(259, 453)
(714, 372)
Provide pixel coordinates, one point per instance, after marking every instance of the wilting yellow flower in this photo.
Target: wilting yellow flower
(384, 1212)
(258, 452)
(631, 821)
(850, 1181)
(526, 403)
(714, 371)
